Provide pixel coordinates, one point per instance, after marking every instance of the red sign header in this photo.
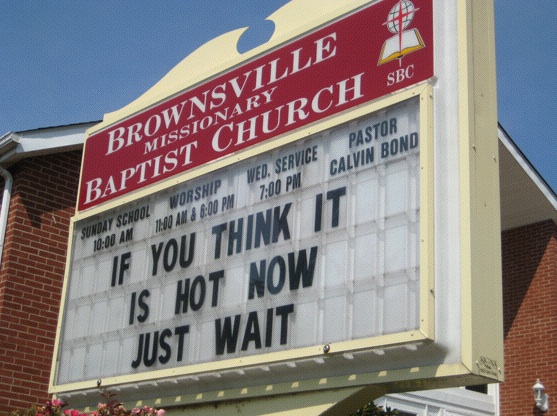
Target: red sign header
(366, 55)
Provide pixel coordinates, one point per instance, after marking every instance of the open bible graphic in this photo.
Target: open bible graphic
(399, 45)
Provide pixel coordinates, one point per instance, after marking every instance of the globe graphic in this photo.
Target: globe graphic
(401, 13)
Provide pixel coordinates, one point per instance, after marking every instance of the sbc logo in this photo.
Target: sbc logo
(405, 40)
(400, 75)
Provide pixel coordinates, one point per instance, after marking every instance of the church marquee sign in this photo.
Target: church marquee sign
(306, 214)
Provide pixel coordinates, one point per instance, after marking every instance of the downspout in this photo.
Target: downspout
(6, 199)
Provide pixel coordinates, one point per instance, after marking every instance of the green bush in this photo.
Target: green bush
(371, 409)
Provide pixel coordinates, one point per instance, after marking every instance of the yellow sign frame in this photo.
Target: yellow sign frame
(479, 358)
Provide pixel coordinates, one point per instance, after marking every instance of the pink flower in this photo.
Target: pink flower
(161, 412)
(136, 411)
(57, 402)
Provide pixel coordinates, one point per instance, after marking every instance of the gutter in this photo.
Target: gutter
(6, 199)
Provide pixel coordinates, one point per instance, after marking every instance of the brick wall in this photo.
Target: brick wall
(43, 199)
(530, 316)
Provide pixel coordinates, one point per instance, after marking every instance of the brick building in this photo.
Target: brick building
(44, 167)
(529, 253)
(41, 169)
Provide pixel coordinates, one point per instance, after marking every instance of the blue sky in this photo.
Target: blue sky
(68, 61)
